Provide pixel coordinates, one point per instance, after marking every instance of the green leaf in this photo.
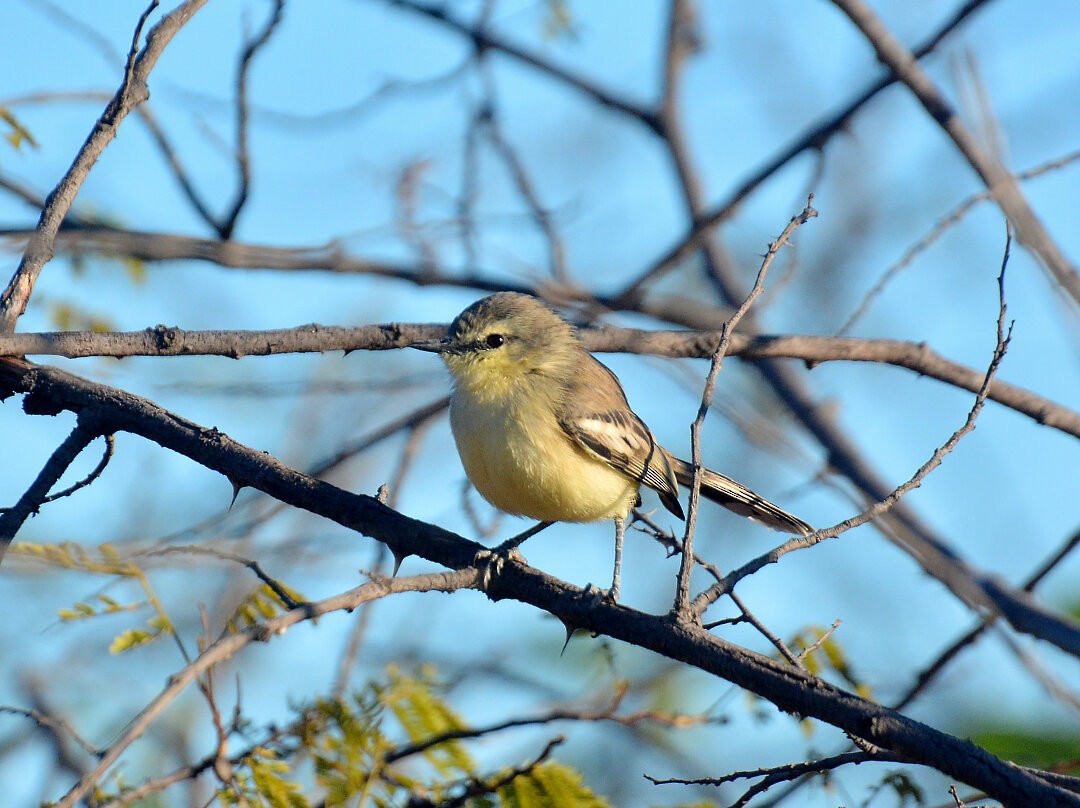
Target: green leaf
(19, 134)
(263, 602)
(1042, 750)
(424, 715)
(132, 638)
(550, 785)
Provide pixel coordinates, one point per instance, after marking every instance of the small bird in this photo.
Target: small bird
(544, 429)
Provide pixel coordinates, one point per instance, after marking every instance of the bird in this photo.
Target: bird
(544, 429)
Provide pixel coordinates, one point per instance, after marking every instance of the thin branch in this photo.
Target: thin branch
(975, 590)
(1055, 689)
(133, 91)
(176, 167)
(59, 728)
(747, 616)
(106, 456)
(779, 774)
(537, 211)
(1001, 184)
(607, 713)
(937, 231)
(231, 644)
(12, 519)
(931, 671)
(820, 641)
(243, 156)
(483, 39)
(475, 787)
(275, 585)
(681, 607)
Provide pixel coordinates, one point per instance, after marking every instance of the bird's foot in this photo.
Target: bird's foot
(598, 595)
(491, 562)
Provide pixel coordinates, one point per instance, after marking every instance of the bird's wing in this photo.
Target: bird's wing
(619, 438)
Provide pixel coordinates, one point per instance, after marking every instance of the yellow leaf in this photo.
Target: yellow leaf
(19, 134)
(136, 269)
(132, 638)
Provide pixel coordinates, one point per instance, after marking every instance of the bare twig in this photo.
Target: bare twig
(943, 565)
(133, 91)
(57, 727)
(610, 712)
(930, 672)
(938, 230)
(12, 519)
(230, 644)
(781, 774)
(777, 643)
(820, 641)
(106, 456)
(476, 787)
(193, 549)
(486, 40)
(243, 158)
(681, 607)
(526, 188)
(1001, 184)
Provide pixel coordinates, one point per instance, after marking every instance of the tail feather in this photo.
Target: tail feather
(738, 498)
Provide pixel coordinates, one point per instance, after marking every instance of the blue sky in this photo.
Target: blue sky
(326, 169)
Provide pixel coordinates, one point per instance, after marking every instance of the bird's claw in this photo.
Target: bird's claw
(598, 595)
(491, 563)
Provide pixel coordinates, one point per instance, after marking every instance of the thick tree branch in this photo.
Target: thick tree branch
(49, 390)
(171, 341)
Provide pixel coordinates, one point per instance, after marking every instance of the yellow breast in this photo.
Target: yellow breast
(522, 462)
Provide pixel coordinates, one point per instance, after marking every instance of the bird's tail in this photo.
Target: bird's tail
(740, 499)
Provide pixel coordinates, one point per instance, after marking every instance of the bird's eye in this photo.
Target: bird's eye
(495, 340)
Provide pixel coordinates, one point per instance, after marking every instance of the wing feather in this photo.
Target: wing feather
(618, 437)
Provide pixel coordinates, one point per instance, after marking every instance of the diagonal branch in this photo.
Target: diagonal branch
(133, 91)
(790, 689)
(681, 607)
(12, 519)
(483, 40)
(229, 645)
(1001, 184)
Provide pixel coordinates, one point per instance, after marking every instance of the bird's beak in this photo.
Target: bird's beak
(431, 345)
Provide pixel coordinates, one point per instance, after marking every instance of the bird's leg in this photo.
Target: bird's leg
(492, 560)
(620, 531)
(514, 542)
